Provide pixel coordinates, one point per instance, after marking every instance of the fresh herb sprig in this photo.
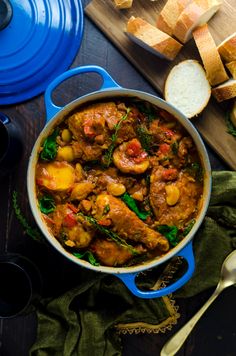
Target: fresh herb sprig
(147, 110)
(131, 203)
(47, 204)
(109, 152)
(145, 138)
(88, 256)
(29, 230)
(170, 232)
(109, 233)
(49, 151)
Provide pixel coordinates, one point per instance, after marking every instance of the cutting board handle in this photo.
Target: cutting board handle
(51, 108)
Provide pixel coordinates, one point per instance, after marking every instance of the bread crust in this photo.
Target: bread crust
(193, 16)
(154, 39)
(232, 68)
(123, 4)
(225, 91)
(212, 62)
(227, 48)
(168, 16)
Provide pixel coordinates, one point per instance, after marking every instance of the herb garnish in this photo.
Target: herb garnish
(47, 204)
(49, 151)
(175, 147)
(131, 203)
(173, 234)
(170, 232)
(230, 127)
(109, 233)
(32, 232)
(148, 111)
(87, 255)
(106, 209)
(109, 152)
(195, 170)
(145, 137)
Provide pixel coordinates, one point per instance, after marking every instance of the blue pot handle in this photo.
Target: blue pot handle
(51, 108)
(129, 278)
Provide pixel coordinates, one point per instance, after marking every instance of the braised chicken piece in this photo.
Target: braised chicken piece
(114, 177)
(109, 253)
(174, 196)
(127, 225)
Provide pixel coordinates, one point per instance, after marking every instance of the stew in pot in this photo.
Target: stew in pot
(119, 182)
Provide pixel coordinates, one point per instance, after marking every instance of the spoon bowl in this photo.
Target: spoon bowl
(227, 279)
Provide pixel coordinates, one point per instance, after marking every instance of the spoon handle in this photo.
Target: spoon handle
(175, 343)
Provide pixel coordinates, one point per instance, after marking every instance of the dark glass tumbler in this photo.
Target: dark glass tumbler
(20, 285)
(11, 145)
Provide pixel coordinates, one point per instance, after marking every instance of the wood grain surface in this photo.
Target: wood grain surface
(211, 123)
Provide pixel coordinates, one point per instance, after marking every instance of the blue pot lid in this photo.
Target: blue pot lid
(39, 43)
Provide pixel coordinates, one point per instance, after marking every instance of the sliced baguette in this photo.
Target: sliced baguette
(123, 4)
(152, 39)
(232, 68)
(187, 88)
(168, 16)
(212, 62)
(197, 13)
(227, 48)
(225, 91)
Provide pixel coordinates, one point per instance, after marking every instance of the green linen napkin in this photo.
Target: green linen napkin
(84, 320)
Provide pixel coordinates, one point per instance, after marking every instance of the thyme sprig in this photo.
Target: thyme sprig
(29, 230)
(109, 152)
(109, 233)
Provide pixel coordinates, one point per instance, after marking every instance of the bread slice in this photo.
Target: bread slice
(225, 91)
(123, 4)
(197, 13)
(227, 48)
(212, 62)
(168, 16)
(152, 39)
(187, 88)
(232, 68)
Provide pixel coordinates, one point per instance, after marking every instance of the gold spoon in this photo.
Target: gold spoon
(227, 279)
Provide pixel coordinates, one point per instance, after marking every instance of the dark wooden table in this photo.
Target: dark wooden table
(214, 335)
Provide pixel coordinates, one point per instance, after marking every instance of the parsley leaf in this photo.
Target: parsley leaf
(145, 138)
(47, 204)
(170, 232)
(131, 203)
(49, 151)
(88, 256)
(147, 110)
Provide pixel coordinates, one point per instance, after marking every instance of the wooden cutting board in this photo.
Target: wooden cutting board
(211, 123)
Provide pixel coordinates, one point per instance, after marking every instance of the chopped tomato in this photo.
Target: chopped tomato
(141, 157)
(48, 219)
(104, 222)
(69, 220)
(134, 148)
(73, 208)
(170, 174)
(164, 148)
(88, 128)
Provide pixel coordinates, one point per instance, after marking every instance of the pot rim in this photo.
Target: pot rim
(108, 94)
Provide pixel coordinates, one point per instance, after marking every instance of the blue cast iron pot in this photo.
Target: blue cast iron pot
(110, 89)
